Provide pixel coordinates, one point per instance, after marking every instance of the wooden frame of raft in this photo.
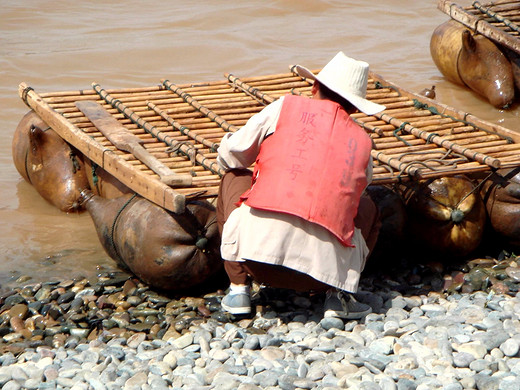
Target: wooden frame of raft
(181, 125)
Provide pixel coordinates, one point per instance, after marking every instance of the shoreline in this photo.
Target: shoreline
(115, 332)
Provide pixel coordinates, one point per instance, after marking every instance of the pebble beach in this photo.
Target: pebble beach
(429, 329)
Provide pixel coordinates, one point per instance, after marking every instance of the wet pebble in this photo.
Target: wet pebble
(115, 332)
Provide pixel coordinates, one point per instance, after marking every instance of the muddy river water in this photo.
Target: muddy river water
(60, 45)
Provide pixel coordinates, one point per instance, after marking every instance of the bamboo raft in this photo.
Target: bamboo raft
(181, 125)
(498, 20)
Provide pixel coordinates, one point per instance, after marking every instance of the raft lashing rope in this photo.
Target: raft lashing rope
(182, 125)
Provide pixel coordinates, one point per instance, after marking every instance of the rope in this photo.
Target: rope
(401, 128)
(95, 178)
(434, 111)
(378, 85)
(457, 215)
(202, 240)
(112, 230)
(176, 149)
(292, 68)
(26, 167)
(513, 26)
(25, 93)
(461, 158)
(412, 163)
(194, 227)
(192, 153)
(297, 93)
(429, 138)
(475, 188)
(75, 163)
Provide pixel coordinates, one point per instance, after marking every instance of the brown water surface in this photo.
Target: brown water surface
(59, 45)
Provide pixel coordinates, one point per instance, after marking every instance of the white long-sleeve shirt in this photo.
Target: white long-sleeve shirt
(283, 239)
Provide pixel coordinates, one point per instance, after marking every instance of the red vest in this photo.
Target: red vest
(313, 166)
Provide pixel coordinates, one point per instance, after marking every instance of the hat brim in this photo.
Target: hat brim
(362, 104)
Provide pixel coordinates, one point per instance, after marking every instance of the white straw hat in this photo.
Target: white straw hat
(348, 78)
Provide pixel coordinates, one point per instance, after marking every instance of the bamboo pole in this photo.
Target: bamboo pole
(493, 14)
(432, 137)
(204, 110)
(403, 168)
(497, 7)
(429, 137)
(188, 151)
(225, 101)
(257, 94)
(476, 24)
(90, 92)
(498, 2)
(251, 91)
(132, 97)
(457, 115)
(202, 192)
(143, 184)
(69, 107)
(183, 129)
(181, 111)
(386, 133)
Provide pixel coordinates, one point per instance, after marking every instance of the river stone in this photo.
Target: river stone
(366, 385)
(396, 302)
(382, 346)
(513, 273)
(473, 314)
(50, 373)
(13, 300)
(387, 383)
(492, 338)
(342, 369)
(330, 323)
(18, 374)
(509, 383)
(160, 368)
(136, 381)
(406, 384)
(182, 342)
(11, 385)
(135, 340)
(286, 382)
(248, 386)
(219, 355)
(265, 379)
(31, 384)
(479, 365)
(463, 359)
(486, 382)
(510, 347)
(66, 297)
(45, 362)
(474, 348)
(443, 351)
(303, 383)
(19, 310)
(272, 353)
